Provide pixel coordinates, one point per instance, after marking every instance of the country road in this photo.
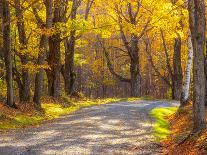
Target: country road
(116, 128)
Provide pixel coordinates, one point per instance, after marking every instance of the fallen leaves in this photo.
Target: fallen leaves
(179, 142)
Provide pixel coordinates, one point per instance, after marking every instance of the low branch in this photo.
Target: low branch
(110, 66)
(150, 59)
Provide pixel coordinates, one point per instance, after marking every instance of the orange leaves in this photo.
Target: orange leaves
(181, 125)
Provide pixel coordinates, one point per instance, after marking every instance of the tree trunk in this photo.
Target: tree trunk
(186, 87)
(40, 75)
(24, 92)
(54, 62)
(54, 57)
(69, 73)
(39, 79)
(177, 75)
(197, 25)
(134, 68)
(7, 52)
(69, 64)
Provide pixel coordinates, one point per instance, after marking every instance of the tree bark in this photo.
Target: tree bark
(39, 79)
(54, 54)
(69, 64)
(186, 87)
(7, 52)
(135, 68)
(177, 68)
(24, 91)
(40, 75)
(197, 26)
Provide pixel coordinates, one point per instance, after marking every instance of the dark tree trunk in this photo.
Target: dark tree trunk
(54, 58)
(206, 74)
(24, 92)
(69, 64)
(40, 75)
(177, 75)
(69, 74)
(54, 62)
(39, 79)
(7, 52)
(198, 25)
(134, 68)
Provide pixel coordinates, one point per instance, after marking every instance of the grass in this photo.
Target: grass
(52, 109)
(161, 126)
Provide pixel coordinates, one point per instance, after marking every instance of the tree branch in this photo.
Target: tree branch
(110, 66)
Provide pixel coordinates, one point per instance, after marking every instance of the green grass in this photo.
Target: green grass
(53, 110)
(161, 126)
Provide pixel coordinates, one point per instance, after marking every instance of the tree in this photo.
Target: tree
(70, 43)
(187, 81)
(69, 75)
(54, 57)
(197, 22)
(42, 49)
(7, 51)
(25, 80)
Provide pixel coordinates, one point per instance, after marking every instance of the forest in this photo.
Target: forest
(71, 52)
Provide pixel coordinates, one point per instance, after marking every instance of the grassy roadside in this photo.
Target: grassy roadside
(173, 128)
(181, 141)
(26, 116)
(162, 126)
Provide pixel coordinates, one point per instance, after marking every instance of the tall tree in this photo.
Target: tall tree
(197, 22)
(177, 69)
(24, 83)
(177, 78)
(7, 51)
(70, 43)
(69, 75)
(54, 57)
(39, 79)
(187, 80)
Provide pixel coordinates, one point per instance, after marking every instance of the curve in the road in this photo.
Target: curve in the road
(116, 128)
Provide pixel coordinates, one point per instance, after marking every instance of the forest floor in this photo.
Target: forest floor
(181, 141)
(114, 128)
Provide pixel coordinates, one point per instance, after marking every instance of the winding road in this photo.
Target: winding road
(111, 129)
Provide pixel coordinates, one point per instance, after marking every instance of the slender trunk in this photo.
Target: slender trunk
(186, 87)
(39, 80)
(24, 92)
(40, 75)
(69, 64)
(198, 25)
(70, 52)
(177, 75)
(7, 52)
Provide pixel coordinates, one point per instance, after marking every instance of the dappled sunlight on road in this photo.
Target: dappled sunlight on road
(106, 129)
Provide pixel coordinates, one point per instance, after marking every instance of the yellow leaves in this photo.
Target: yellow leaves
(47, 32)
(34, 68)
(109, 82)
(79, 60)
(97, 67)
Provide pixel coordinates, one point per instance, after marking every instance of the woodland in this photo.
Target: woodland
(100, 49)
